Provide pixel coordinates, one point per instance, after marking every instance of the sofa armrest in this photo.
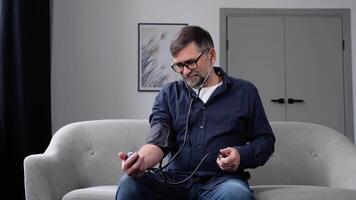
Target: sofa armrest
(342, 171)
(81, 154)
(47, 177)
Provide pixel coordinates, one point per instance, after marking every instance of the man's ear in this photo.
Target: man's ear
(212, 56)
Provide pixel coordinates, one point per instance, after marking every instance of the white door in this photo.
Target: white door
(314, 70)
(256, 53)
(295, 58)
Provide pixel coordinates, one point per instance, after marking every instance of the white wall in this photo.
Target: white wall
(94, 53)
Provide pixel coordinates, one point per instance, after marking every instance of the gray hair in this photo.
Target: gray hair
(190, 34)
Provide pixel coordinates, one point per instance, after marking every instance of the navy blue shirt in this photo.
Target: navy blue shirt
(233, 116)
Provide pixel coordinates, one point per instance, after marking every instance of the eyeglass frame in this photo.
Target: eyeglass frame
(185, 64)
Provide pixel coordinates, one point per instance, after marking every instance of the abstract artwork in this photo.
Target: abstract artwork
(154, 57)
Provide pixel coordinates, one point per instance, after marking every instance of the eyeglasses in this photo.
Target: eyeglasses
(190, 64)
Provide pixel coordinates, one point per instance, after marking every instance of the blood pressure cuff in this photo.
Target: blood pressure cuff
(160, 135)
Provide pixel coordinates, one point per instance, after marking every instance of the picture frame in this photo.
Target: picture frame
(154, 57)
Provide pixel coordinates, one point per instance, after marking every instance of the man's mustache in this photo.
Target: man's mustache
(191, 75)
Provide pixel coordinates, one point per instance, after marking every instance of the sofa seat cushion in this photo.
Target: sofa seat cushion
(261, 192)
(92, 193)
(301, 192)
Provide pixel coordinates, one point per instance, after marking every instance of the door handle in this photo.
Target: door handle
(292, 101)
(280, 101)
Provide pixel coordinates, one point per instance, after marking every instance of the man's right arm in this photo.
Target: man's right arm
(136, 164)
(152, 154)
(158, 141)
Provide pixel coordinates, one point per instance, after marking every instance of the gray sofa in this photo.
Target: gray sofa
(310, 162)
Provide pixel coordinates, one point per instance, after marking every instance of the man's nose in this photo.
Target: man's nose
(186, 70)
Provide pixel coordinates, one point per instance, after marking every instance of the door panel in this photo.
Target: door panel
(314, 70)
(256, 53)
(297, 57)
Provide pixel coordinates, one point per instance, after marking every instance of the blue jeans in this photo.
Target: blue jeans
(147, 188)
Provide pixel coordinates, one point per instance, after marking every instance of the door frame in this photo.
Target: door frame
(344, 14)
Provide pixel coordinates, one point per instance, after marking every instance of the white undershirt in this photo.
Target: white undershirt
(206, 92)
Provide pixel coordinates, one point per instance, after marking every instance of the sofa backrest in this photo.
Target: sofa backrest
(306, 154)
(92, 147)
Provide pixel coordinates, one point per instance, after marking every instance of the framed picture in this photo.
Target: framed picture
(154, 57)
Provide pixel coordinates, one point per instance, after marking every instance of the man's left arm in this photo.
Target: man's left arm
(259, 134)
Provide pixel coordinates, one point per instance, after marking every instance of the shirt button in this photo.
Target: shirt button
(201, 126)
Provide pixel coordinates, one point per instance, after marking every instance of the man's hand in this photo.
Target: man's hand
(229, 159)
(136, 164)
(133, 165)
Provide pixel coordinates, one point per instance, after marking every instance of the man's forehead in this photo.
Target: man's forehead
(187, 53)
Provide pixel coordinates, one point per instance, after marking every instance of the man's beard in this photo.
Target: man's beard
(195, 82)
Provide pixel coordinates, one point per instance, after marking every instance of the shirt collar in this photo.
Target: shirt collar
(225, 78)
(219, 71)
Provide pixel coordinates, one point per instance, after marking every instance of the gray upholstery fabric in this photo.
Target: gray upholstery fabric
(308, 154)
(81, 155)
(81, 162)
(92, 193)
(275, 192)
(298, 192)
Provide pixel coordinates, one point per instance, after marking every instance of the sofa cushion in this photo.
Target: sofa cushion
(263, 192)
(92, 193)
(299, 192)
